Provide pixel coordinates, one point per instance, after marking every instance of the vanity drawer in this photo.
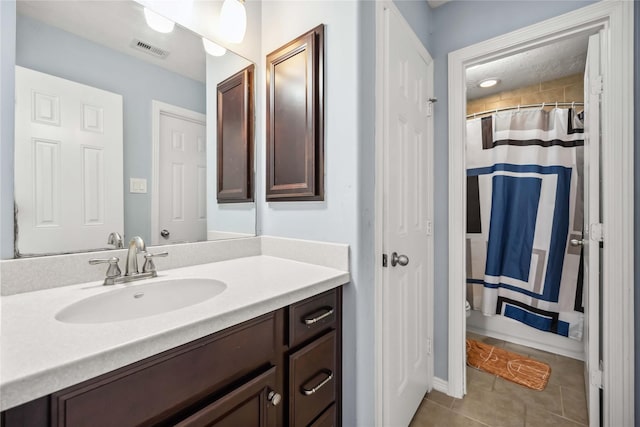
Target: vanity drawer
(327, 419)
(156, 388)
(312, 316)
(312, 380)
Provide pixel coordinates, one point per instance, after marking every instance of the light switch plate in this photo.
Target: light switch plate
(137, 185)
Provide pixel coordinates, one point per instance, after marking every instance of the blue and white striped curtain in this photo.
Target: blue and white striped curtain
(524, 204)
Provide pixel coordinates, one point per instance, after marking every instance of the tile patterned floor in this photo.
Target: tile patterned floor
(494, 402)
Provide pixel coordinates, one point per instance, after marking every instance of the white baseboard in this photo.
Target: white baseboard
(506, 329)
(440, 385)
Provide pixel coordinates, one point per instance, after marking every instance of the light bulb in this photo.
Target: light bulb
(212, 48)
(233, 21)
(158, 22)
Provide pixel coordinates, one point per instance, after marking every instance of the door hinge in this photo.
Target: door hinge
(429, 227)
(429, 346)
(384, 260)
(597, 85)
(596, 233)
(596, 378)
(430, 102)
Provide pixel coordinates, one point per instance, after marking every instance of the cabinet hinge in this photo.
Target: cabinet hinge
(596, 233)
(384, 260)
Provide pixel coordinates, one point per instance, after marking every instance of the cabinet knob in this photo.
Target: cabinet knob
(274, 398)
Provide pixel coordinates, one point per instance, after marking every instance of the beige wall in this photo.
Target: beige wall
(565, 89)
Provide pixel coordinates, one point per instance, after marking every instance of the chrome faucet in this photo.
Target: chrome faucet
(136, 245)
(131, 273)
(115, 239)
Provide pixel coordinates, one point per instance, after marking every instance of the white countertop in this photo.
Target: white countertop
(40, 355)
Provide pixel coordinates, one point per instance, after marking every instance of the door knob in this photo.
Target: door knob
(399, 259)
(576, 242)
(165, 233)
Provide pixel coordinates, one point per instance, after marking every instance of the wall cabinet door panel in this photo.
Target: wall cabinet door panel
(295, 140)
(235, 138)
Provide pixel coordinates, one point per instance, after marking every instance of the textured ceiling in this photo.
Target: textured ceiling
(545, 63)
(115, 24)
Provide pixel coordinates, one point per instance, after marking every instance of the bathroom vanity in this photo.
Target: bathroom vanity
(284, 365)
(266, 351)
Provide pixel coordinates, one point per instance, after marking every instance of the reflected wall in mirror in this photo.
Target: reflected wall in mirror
(115, 130)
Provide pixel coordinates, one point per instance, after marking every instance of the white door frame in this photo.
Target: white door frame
(158, 108)
(380, 108)
(616, 17)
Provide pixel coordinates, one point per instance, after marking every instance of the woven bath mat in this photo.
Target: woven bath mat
(508, 365)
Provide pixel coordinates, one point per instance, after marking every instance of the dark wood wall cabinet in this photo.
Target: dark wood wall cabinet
(295, 122)
(235, 137)
(280, 369)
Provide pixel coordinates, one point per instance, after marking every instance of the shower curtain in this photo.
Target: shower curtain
(524, 204)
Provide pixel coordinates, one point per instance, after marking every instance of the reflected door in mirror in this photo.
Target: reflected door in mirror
(182, 179)
(68, 164)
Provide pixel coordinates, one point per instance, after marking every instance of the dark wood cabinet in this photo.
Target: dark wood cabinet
(314, 360)
(295, 122)
(235, 138)
(250, 375)
(253, 404)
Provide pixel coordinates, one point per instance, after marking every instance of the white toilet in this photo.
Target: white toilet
(467, 308)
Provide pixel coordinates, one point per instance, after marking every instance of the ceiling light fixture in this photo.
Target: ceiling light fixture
(158, 22)
(233, 20)
(488, 83)
(212, 48)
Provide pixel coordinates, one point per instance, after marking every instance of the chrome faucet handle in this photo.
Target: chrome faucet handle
(113, 272)
(149, 266)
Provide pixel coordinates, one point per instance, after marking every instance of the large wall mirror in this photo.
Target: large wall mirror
(116, 131)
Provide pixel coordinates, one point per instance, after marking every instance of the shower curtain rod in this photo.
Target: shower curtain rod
(541, 105)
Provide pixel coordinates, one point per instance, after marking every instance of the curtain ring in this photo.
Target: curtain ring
(556, 104)
(542, 106)
(518, 108)
(573, 104)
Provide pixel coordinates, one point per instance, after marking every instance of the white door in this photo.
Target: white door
(407, 289)
(182, 180)
(68, 164)
(591, 237)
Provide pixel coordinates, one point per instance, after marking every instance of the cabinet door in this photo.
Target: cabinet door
(295, 141)
(154, 389)
(253, 404)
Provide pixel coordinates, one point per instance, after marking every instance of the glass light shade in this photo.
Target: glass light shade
(212, 48)
(488, 83)
(158, 22)
(233, 21)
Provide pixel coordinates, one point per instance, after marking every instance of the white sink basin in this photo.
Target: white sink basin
(135, 301)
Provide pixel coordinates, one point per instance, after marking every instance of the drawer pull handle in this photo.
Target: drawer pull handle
(311, 320)
(309, 391)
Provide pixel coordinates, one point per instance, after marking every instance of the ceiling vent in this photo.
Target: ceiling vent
(149, 48)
